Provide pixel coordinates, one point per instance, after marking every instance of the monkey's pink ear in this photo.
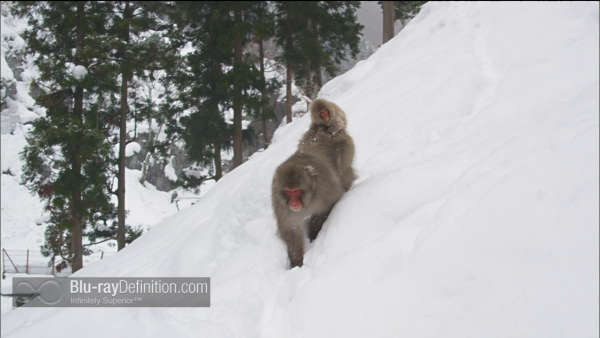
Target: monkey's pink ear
(310, 170)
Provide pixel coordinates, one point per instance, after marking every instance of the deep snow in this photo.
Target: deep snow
(475, 214)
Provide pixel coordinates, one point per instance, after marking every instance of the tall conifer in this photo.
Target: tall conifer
(71, 140)
(138, 49)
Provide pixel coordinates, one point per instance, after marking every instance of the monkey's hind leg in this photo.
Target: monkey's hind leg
(294, 240)
(315, 224)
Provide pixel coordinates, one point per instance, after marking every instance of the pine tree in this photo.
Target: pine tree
(388, 20)
(71, 140)
(310, 47)
(397, 10)
(290, 21)
(264, 29)
(199, 89)
(217, 76)
(259, 22)
(338, 33)
(238, 83)
(406, 10)
(139, 50)
(244, 74)
(322, 35)
(102, 40)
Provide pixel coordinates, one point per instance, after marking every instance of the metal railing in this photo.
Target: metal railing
(34, 263)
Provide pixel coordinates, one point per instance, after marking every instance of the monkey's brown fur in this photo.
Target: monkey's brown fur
(322, 169)
(330, 139)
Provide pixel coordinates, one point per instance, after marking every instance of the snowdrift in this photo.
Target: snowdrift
(475, 214)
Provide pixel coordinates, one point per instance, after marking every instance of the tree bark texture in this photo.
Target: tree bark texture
(123, 140)
(288, 95)
(218, 163)
(261, 55)
(289, 74)
(388, 20)
(237, 96)
(317, 66)
(76, 203)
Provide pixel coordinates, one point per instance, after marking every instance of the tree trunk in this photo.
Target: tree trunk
(147, 159)
(288, 77)
(121, 176)
(288, 95)
(76, 234)
(218, 163)
(265, 137)
(76, 203)
(318, 76)
(123, 139)
(151, 136)
(388, 20)
(263, 84)
(308, 83)
(308, 90)
(237, 95)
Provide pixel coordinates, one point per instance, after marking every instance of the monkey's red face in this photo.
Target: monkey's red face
(294, 198)
(324, 113)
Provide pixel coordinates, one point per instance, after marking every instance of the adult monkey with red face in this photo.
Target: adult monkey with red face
(309, 183)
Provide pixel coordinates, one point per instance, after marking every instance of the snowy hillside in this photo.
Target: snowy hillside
(475, 213)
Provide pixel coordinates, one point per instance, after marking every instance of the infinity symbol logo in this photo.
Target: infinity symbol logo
(47, 291)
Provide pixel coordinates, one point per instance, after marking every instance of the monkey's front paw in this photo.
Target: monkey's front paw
(296, 263)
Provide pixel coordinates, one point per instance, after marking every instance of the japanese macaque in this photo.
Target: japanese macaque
(327, 116)
(327, 135)
(309, 183)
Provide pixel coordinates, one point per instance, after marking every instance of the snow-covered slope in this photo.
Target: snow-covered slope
(475, 214)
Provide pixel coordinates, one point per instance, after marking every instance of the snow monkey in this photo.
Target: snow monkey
(327, 134)
(309, 183)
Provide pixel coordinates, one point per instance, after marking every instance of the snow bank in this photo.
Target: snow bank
(475, 214)
(146, 205)
(20, 210)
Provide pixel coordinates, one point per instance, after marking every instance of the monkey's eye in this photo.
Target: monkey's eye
(293, 193)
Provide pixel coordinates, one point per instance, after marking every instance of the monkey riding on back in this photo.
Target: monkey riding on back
(311, 181)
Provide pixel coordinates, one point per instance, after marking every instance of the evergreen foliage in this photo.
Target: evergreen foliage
(139, 51)
(201, 86)
(264, 29)
(68, 161)
(95, 58)
(210, 81)
(81, 49)
(336, 34)
(317, 36)
(406, 10)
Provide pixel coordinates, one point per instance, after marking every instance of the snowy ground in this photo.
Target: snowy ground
(475, 215)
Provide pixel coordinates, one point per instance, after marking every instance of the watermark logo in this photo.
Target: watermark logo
(111, 292)
(48, 291)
